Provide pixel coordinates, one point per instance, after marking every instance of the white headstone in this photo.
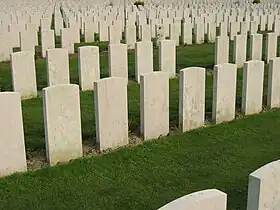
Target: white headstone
(89, 67)
(224, 92)
(252, 88)
(273, 91)
(211, 199)
(199, 33)
(263, 187)
(270, 46)
(192, 98)
(187, 33)
(111, 123)
(240, 50)
(154, 105)
(67, 40)
(57, 67)
(118, 62)
(24, 74)
(222, 50)
(255, 47)
(143, 59)
(47, 41)
(12, 148)
(211, 32)
(62, 120)
(130, 36)
(167, 57)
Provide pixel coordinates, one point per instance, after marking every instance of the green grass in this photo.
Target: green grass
(151, 174)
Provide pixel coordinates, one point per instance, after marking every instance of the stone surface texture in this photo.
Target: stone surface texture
(12, 148)
(211, 199)
(264, 189)
(89, 66)
(62, 120)
(224, 92)
(191, 98)
(154, 105)
(111, 115)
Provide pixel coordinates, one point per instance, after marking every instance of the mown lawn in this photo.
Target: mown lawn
(148, 175)
(156, 172)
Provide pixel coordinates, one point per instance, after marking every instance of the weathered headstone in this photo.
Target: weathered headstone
(255, 51)
(24, 74)
(154, 105)
(33, 30)
(6, 48)
(12, 148)
(263, 187)
(89, 67)
(111, 123)
(14, 30)
(244, 28)
(114, 35)
(270, 46)
(252, 87)
(234, 29)
(118, 63)
(47, 41)
(240, 50)
(224, 92)
(167, 57)
(223, 29)
(187, 33)
(276, 27)
(27, 41)
(192, 98)
(58, 25)
(199, 33)
(211, 32)
(253, 27)
(174, 34)
(57, 67)
(143, 59)
(273, 91)
(103, 31)
(221, 50)
(146, 32)
(211, 199)
(89, 32)
(62, 120)
(67, 40)
(130, 36)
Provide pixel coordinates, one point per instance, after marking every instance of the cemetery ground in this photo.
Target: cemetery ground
(153, 173)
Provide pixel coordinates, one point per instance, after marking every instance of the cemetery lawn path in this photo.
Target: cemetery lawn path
(149, 175)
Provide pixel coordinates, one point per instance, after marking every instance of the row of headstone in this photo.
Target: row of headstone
(23, 65)
(83, 9)
(240, 48)
(47, 40)
(170, 19)
(176, 23)
(263, 193)
(62, 119)
(24, 74)
(177, 31)
(28, 39)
